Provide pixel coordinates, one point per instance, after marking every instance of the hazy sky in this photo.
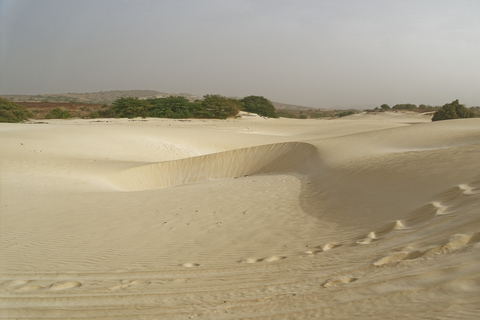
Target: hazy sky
(315, 53)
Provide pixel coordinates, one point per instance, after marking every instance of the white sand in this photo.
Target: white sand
(362, 217)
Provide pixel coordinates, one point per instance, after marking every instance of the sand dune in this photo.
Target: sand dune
(280, 157)
(363, 217)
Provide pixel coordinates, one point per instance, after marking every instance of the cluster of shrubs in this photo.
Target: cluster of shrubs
(211, 106)
(454, 110)
(217, 106)
(12, 112)
(311, 114)
(404, 106)
(58, 113)
(176, 107)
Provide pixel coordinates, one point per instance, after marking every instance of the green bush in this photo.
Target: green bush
(216, 106)
(58, 113)
(130, 108)
(94, 115)
(453, 110)
(476, 111)
(12, 112)
(345, 113)
(105, 112)
(259, 105)
(170, 107)
(317, 115)
(404, 106)
(211, 106)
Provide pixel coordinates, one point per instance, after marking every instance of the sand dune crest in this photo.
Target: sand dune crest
(280, 157)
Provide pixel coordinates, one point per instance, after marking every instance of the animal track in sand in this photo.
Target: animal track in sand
(338, 281)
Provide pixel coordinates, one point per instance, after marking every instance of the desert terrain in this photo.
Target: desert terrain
(362, 217)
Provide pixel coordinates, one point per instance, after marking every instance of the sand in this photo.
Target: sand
(365, 217)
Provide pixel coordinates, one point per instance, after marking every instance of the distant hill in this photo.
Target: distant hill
(101, 97)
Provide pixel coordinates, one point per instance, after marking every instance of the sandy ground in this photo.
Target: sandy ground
(366, 217)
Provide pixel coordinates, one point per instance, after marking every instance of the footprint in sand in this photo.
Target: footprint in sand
(267, 259)
(29, 288)
(469, 190)
(340, 281)
(313, 252)
(392, 258)
(127, 284)
(330, 246)
(381, 233)
(450, 195)
(457, 241)
(414, 219)
(274, 258)
(441, 209)
(65, 285)
(325, 247)
(190, 265)
(251, 260)
(399, 225)
(14, 283)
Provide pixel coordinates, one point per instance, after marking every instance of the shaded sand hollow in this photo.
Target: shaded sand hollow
(365, 217)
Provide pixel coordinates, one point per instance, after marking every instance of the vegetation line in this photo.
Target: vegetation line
(212, 106)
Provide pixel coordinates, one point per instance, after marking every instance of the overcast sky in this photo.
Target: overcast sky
(315, 53)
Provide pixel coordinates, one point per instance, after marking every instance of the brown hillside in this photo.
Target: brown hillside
(78, 110)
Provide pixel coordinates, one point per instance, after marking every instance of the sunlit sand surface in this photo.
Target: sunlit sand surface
(365, 217)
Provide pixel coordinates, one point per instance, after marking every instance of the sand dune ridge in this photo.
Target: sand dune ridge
(278, 157)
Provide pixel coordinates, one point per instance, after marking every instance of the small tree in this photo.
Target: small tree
(452, 110)
(385, 107)
(345, 113)
(259, 105)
